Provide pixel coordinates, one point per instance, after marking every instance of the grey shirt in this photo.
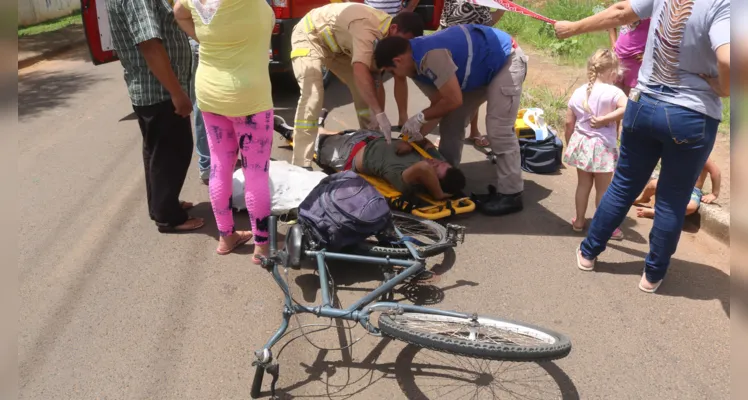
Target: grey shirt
(381, 160)
(683, 38)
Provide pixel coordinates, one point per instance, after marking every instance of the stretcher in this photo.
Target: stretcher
(420, 205)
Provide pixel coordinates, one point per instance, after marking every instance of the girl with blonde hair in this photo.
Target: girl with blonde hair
(591, 132)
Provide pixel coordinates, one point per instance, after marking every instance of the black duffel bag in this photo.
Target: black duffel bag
(541, 156)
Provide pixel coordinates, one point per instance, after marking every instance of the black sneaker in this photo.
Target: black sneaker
(496, 204)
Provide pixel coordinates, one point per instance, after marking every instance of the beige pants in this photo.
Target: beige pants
(308, 71)
(503, 97)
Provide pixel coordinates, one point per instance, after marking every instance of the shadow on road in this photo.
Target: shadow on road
(430, 375)
(684, 279)
(363, 278)
(535, 219)
(41, 91)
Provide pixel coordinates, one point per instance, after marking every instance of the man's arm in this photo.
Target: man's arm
(412, 4)
(614, 16)
(145, 27)
(496, 16)
(365, 86)
(421, 173)
(158, 62)
(401, 99)
(183, 16)
(438, 66)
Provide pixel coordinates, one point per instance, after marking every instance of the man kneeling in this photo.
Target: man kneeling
(367, 152)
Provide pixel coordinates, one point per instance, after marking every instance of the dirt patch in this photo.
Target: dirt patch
(543, 71)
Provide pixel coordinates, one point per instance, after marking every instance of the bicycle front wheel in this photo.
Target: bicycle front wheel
(431, 237)
(484, 337)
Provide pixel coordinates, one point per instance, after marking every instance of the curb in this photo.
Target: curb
(715, 221)
(29, 61)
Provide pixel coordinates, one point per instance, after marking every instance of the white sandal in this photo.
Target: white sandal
(654, 289)
(579, 261)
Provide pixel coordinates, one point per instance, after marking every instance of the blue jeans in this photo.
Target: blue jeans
(654, 130)
(201, 137)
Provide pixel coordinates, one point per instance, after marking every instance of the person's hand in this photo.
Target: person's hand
(564, 29)
(708, 198)
(713, 82)
(412, 127)
(403, 148)
(444, 196)
(182, 104)
(596, 122)
(384, 126)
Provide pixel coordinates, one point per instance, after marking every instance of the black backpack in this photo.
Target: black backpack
(344, 209)
(541, 156)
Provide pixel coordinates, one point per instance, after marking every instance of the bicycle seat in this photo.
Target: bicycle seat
(295, 246)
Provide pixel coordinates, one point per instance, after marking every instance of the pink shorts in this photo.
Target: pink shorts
(630, 71)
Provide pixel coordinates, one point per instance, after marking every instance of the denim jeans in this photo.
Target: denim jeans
(654, 130)
(201, 138)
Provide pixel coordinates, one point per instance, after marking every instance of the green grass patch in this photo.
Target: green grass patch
(553, 104)
(51, 25)
(538, 34)
(724, 127)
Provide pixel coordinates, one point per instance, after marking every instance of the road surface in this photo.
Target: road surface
(111, 309)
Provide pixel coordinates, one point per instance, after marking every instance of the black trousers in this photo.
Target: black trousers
(167, 152)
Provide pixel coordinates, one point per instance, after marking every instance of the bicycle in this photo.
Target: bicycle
(453, 332)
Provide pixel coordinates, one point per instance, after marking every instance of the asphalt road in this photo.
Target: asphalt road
(111, 309)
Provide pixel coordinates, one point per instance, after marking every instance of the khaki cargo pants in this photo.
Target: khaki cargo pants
(503, 96)
(307, 58)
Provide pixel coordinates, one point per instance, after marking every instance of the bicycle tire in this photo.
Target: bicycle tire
(257, 382)
(551, 346)
(436, 233)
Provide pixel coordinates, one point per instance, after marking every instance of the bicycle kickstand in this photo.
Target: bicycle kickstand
(274, 371)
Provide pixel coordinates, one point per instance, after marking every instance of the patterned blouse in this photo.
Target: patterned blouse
(458, 12)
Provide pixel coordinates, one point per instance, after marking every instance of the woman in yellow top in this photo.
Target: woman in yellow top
(233, 92)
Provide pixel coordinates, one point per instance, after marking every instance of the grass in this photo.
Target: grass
(724, 127)
(538, 34)
(51, 25)
(552, 103)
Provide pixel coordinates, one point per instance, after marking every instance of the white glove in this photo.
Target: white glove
(384, 126)
(412, 127)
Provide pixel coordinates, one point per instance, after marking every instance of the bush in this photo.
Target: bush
(542, 36)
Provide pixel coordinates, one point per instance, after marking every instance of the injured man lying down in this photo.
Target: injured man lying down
(367, 152)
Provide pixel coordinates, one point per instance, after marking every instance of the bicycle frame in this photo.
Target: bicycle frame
(360, 310)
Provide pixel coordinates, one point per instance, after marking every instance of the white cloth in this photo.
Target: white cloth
(289, 186)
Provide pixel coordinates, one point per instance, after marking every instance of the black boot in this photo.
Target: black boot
(496, 204)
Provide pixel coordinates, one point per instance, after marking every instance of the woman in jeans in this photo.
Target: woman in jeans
(672, 116)
(233, 92)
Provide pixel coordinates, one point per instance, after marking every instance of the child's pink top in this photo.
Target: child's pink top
(603, 100)
(632, 39)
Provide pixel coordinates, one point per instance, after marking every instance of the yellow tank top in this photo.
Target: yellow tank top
(233, 77)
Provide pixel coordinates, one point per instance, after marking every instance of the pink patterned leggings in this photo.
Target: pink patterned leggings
(251, 138)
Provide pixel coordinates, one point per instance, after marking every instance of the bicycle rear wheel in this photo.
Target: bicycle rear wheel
(432, 238)
(484, 337)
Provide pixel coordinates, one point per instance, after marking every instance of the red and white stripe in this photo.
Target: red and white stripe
(509, 6)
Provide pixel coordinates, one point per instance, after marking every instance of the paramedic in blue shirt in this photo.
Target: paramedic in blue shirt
(459, 68)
